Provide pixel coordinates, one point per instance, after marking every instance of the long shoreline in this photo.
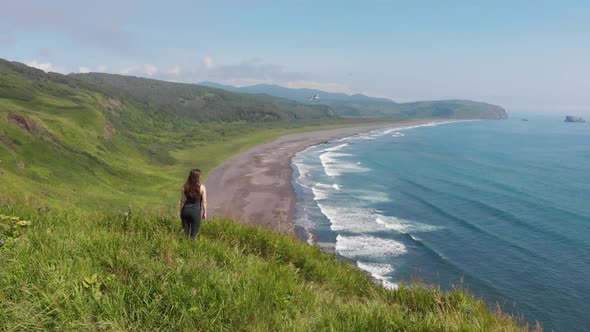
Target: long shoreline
(255, 187)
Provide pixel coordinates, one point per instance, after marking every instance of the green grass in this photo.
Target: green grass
(75, 167)
(87, 271)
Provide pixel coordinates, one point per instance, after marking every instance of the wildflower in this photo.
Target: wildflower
(23, 223)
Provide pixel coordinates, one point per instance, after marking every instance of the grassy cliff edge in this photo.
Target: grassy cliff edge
(65, 270)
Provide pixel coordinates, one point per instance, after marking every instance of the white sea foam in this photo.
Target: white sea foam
(303, 169)
(389, 131)
(360, 246)
(320, 192)
(398, 134)
(336, 148)
(375, 268)
(428, 124)
(404, 226)
(357, 216)
(350, 219)
(369, 196)
(389, 285)
(378, 271)
(334, 166)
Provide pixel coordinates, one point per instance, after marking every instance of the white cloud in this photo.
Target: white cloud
(45, 66)
(98, 69)
(208, 62)
(150, 70)
(174, 71)
(146, 69)
(250, 69)
(247, 72)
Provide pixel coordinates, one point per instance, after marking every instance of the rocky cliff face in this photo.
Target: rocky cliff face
(571, 118)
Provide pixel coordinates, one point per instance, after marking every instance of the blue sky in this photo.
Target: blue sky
(524, 55)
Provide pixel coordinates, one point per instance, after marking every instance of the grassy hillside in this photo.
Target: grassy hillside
(78, 143)
(88, 272)
(359, 105)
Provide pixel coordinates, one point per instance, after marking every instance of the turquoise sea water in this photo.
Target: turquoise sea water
(499, 207)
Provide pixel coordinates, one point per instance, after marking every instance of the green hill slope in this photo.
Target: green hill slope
(75, 140)
(87, 272)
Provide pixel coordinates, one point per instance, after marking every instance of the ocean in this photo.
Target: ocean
(501, 208)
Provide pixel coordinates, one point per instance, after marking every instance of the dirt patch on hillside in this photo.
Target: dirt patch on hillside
(113, 104)
(109, 132)
(29, 125)
(5, 141)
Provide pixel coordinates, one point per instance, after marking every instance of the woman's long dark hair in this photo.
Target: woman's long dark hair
(192, 187)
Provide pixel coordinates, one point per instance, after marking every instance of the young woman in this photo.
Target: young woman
(193, 204)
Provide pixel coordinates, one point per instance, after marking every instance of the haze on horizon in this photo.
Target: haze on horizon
(525, 56)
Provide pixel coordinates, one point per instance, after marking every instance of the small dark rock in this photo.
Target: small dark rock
(571, 118)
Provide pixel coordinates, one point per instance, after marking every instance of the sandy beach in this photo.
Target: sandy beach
(255, 186)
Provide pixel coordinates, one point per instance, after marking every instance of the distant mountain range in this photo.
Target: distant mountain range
(359, 105)
(300, 95)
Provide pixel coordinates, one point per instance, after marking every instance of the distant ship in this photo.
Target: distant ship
(571, 118)
(523, 119)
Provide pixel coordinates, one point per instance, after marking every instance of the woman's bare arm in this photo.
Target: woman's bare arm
(204, 202)
(182, 199)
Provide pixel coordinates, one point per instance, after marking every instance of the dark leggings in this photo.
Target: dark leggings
(191, 220)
